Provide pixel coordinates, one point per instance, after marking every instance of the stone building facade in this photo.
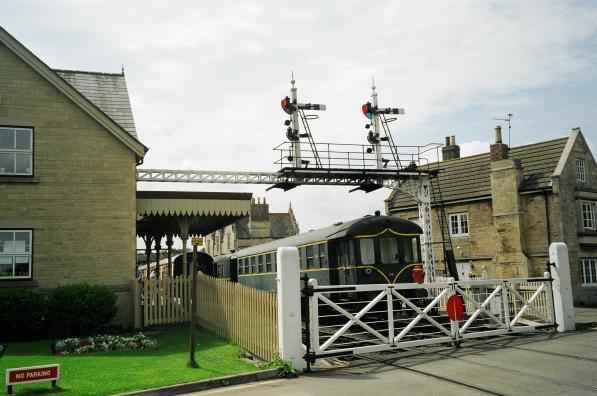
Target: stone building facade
(68, 156)
(259, 227)
(505, 207)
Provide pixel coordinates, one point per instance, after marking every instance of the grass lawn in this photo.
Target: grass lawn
(106, 373)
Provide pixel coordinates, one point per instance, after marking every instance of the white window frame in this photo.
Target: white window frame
(587, 210)
(588, 271)
(14, 255)
(460, 224)
(581, 170)
(14, 151)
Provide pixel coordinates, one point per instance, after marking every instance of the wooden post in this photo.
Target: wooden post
(193, 362)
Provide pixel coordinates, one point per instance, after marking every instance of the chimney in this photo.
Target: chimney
(498, 151)
(451, 150)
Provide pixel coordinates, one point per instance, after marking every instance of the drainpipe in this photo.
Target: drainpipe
(547, 217)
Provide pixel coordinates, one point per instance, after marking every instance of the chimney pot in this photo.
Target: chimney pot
(498, 134)
(453, 140)
(447, 140)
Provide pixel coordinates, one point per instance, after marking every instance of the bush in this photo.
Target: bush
(80, 309)
(22, 312)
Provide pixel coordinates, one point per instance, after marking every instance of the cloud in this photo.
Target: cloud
(206, 78)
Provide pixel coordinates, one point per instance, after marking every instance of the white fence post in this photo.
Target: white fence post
(289, 307)
(562, 287)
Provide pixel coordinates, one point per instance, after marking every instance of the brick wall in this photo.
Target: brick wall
(83, 206)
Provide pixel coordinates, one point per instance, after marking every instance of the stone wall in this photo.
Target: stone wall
(81, 205)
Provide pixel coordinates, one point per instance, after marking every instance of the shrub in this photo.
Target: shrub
(22, 314)
(80, 309)
(285, 368)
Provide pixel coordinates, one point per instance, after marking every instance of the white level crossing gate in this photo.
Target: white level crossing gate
(372, 318)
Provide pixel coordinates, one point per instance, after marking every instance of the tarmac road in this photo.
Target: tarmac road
(544, 363)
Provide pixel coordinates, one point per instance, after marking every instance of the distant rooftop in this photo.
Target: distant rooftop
(468, 177)
(107, 91)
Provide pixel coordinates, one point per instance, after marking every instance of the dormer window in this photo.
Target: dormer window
(581, 173)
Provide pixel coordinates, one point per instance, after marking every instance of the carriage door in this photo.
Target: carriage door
(234, 270)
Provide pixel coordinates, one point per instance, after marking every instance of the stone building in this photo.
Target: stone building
(68, 157)
(259, 227)
(505, 207)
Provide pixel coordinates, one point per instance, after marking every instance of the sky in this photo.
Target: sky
(206, 78)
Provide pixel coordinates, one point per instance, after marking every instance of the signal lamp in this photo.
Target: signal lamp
(290, 158)
(369, 150)
(287, 122)
(367, 110)
(287, 106)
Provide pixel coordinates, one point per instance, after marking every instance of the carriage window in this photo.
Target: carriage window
(415, 250)
(268, 263)
(260, 264)
(323, 260)
(407, 249)
(275, 267)
(302, 258)
(389, 250)
(367, 251)
(312, 259)
(241, 268)
(253, 265)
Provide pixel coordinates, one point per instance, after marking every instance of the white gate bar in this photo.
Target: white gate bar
(353, 319)
(421, 315)
(314, 317)
(480, 308)
(390, 307)
(527, 304)
(428, 341)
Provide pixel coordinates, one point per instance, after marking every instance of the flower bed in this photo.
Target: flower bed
(100, 343)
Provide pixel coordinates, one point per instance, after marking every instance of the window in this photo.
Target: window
(253, 265)
(588, 272)
(389, 250)
(16, 151)
(268, 262)
(312, 256)
(367, 251)
(459, 224)
(588, 215)
(15, 254)
(581, 174)
(260, 263)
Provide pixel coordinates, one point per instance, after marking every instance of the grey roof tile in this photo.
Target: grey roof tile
(107, 91)
(468, 177)
(281, 225)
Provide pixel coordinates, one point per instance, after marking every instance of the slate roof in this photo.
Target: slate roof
(107, 91)
(468, 177)
(281, 226)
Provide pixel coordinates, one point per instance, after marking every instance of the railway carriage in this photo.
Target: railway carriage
(368, 250)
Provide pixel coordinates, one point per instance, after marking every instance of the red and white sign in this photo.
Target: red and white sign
(24, 375)
(455, 307)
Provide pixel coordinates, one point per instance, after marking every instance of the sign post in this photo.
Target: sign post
(195, 241)
(25, 375)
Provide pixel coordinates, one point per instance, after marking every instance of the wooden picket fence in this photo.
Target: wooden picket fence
(242, 314)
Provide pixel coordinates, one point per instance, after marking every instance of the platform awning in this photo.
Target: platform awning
(162, 213)
(185, 203)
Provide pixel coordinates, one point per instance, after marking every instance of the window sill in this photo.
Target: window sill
(19, 179)
(17, 283)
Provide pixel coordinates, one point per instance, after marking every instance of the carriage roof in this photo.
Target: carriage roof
(363, 226)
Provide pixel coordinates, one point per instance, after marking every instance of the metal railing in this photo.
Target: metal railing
(372, 318)
(356, 156)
